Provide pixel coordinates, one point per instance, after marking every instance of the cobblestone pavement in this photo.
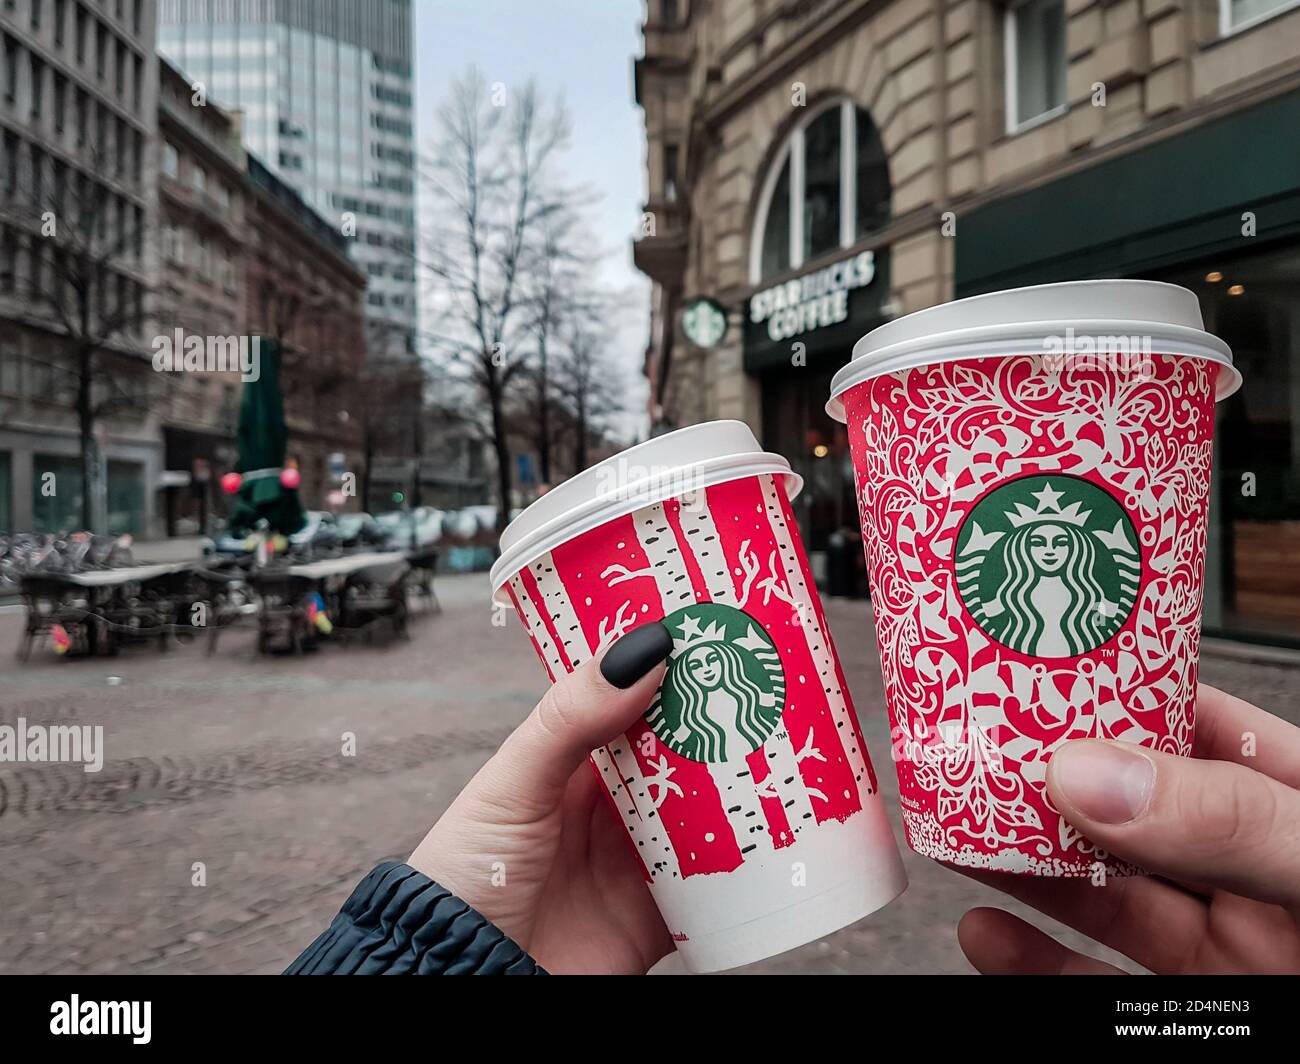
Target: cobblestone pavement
(234, 762)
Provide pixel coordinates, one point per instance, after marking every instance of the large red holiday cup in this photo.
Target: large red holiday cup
(746, 790)
(1033, 475)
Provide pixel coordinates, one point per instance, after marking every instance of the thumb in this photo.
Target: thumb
(1206, 822)
(587, 708)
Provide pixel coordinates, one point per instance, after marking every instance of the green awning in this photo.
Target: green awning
(1170, 203)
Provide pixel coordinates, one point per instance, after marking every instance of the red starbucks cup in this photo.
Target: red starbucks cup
(1033, 476)
(746, 790)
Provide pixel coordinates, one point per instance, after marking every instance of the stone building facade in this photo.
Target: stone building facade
(78, 111)
(242, 256)
(817, 167)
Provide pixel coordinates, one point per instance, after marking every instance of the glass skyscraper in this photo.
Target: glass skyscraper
(325, 87)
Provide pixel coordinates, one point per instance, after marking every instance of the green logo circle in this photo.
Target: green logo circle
(724, 691)
(1048, 565)
(704, 321)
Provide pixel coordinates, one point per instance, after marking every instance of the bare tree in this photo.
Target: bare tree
(489, 177)
(86, 281)
(588, 384)
(388, 397)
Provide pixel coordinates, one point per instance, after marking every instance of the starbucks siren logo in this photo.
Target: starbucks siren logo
(724, 691)
(1048, 566)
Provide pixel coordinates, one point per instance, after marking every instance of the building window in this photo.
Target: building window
(1239, 14)
(60, 100)
(828, 187)
(174, 245)
(11, 69)
(670, 172)
(199, 179)
(82, 105)
(37, 85)
(171, 160)
(1034, 37)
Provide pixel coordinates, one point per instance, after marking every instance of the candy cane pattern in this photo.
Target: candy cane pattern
(929, 444)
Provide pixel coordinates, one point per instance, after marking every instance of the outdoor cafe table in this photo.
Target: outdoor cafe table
(102, 587)
(346, 565)
(123, 575)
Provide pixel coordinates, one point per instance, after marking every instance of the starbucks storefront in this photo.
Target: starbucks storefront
(797, 333)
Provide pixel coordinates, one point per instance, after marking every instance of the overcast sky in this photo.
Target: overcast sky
(583, 49)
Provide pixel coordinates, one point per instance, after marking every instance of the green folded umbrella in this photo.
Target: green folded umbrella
(263, 438)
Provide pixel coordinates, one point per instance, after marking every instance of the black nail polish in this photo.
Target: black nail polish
(635, 654)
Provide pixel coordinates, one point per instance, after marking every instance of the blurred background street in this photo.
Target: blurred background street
(235, 761)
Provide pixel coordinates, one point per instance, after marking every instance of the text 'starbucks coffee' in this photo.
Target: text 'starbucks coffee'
(1033, 476)
(746, 790)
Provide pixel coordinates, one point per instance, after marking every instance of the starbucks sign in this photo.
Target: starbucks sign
(813, 301)
(1048, 566)
(704, 322)
(724, 691)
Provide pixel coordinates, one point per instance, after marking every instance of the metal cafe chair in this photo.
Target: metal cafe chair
(375, 593)
(282, 608)
(225, 594)
(50, 600)
(424, 563)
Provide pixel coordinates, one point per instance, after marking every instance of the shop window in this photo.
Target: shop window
(125, 498)
(56, 493)
(1239, 14)
(828, 187)
(1034, 38)
(1253, 550)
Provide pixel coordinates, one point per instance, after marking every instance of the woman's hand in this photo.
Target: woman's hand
(1222, 831)
(531, 841)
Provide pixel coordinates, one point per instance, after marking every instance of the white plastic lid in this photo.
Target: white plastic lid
(662, 468)
(1018, 321)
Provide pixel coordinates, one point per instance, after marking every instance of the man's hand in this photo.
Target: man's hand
(1221, 829)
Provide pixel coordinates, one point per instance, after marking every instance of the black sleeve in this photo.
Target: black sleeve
(400, 922)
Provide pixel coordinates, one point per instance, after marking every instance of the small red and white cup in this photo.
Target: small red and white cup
(746, 790)
(1033, 478)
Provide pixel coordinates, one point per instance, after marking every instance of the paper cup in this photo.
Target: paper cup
(746, 790)
(1033, 475)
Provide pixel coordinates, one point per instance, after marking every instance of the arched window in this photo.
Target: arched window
(827, 188)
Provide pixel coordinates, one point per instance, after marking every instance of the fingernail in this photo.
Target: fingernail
(635, 654)
(1104, 781)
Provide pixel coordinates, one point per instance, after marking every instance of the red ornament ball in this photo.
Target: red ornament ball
(230, 483)
(290, 478)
